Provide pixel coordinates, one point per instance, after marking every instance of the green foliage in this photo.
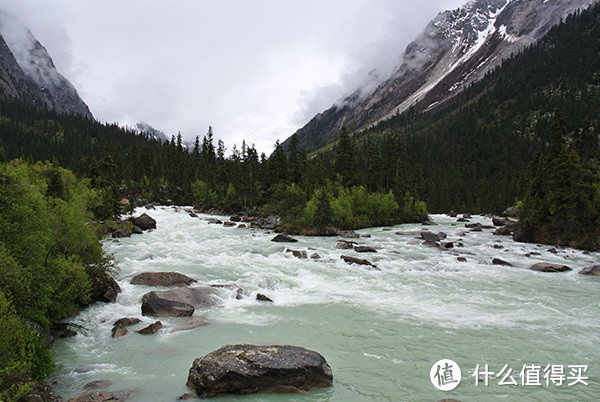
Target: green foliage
(203, 195)
(318, 209)
(23, 355)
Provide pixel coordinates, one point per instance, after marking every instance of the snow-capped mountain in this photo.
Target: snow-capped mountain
(28, 73)
(145, 128)
(456, 49)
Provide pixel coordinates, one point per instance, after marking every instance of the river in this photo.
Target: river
(380, 331)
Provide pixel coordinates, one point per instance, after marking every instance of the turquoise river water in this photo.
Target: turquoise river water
(381, 331)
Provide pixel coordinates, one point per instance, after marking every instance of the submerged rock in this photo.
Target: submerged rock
(592, 270)
(151, 329)
(101, 396)
(245, 369)
(162, 279)
(192, 322)
(547, 267)
(97, 384)
(364, 249)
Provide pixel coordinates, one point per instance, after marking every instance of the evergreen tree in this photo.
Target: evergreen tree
(345, 159)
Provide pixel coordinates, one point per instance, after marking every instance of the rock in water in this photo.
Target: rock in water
(162, 279)
(359, 261)
(178, 302)
(283, 238)
(246, 369)
(127, 321)
(262, 297)
(364, 249)
(119, 331)
(547, 267)
(593, 270)
(151, 329)
(498, 261)
(144, 222)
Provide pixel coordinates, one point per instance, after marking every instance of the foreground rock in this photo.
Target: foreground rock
(101, 396)
(262, 297)
(297, 253)
(246, 369)
(498, 261)
(283, 238)
(127, 321)
(179, 302)
(162, 279)
(144, 222)
(547, 267)
(593, 270)
(119, 331)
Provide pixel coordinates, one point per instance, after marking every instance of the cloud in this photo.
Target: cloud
(257, 70)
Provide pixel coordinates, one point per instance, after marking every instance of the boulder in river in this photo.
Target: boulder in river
(123, 232)
(297, 253)
(246, 369)
(359, 261)
(214, 221)
(498, 221)
(179, 302)
(127, 321)
(119, 331)
(498, 261)
(162, 279)
(364, 249)
(345, 245)
(283, 238)
(151, 329)
(229, 224)
(547, 267)
(433, 237)
(592, 270)
(261, 297)
(101, 396)
(144, 222)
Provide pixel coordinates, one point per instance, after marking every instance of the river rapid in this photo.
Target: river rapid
(381, 331)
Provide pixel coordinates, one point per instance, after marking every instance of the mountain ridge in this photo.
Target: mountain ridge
(457, 48)
(28, 72)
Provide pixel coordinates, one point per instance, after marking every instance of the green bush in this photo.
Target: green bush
(24, 356)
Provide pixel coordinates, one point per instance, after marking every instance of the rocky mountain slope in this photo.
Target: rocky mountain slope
(456, 48)
(27, 72)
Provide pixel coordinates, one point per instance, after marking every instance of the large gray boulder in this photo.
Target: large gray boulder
(179, 302)
(162, 279)
(548, 267)
(246, 369)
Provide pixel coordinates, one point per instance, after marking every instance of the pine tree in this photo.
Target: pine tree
(345, 159)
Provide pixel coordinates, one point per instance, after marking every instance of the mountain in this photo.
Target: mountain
(28, 74)
(145, 128)
(456, 49)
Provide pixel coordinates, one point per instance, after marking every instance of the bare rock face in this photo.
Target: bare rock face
(162, 279)
(246, 369)
(179, 302)
(547, 267)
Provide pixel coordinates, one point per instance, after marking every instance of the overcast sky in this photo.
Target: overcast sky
(253, 69)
